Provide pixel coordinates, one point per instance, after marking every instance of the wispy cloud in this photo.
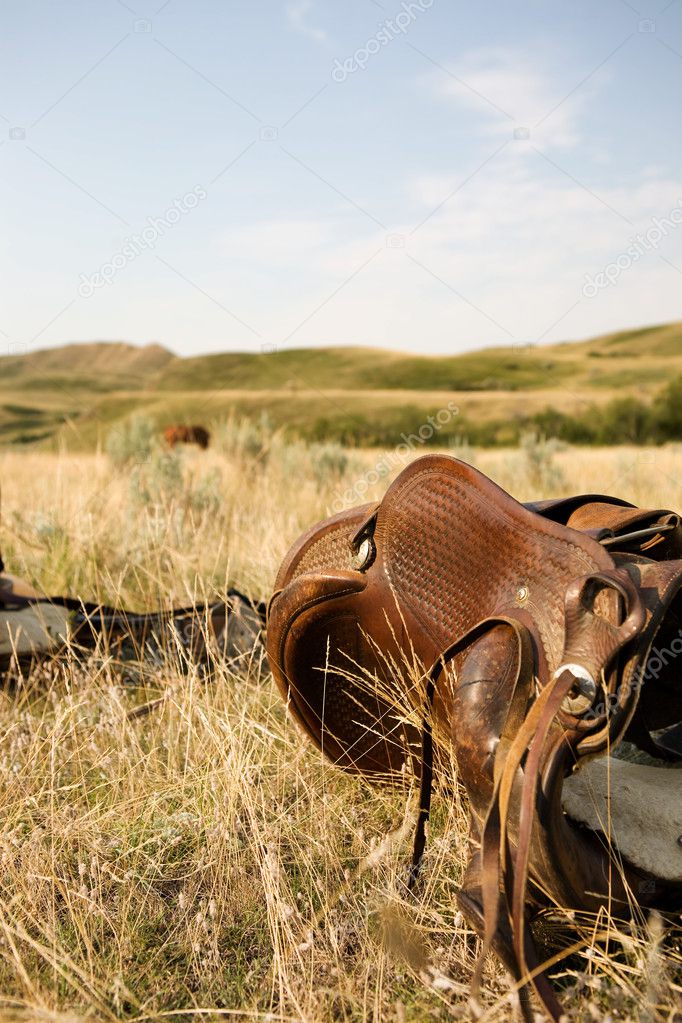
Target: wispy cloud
(509, 90)
(512, 248)
(297, 15)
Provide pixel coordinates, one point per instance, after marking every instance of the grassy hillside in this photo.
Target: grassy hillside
(106, 365)
(367, 369)
(79, 391)
(513, 368)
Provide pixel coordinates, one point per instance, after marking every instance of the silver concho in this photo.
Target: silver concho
(584, 690)
(364, 555)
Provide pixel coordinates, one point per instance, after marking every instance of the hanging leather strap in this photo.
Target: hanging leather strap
(515, 716)
(530, 750)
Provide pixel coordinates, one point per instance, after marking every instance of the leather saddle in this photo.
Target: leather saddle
(535, 643)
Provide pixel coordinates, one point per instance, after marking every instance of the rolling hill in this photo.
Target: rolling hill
(76, 392)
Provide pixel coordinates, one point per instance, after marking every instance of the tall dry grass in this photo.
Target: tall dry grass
(204, 862)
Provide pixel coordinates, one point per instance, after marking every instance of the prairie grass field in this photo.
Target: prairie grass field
(203, 862)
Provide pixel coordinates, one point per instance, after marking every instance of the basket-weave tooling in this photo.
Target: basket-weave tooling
(534, 627)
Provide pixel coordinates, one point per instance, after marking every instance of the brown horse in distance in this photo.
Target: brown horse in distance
(174, 435)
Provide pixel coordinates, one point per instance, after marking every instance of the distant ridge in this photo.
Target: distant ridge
(79, 390)
(117, 365)
(116, 360)
(517, 367)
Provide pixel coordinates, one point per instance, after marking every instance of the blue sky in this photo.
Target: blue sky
(432, 176)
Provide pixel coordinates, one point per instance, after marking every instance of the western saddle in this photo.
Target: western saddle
(536, 643)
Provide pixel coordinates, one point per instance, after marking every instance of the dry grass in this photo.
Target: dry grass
(175, 865)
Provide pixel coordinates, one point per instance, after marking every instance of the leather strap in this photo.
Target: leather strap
(524, 742)
(529, 748)
(514, 718)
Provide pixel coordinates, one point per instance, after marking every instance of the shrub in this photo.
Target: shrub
(329, 462)
(538, 456)
(667, 411)
(159, 480)
(246, 438)
(574, 430)
(132, 441)
(626, 420)
(206, 494)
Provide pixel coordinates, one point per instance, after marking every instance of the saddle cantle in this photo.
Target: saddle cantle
(533, 640)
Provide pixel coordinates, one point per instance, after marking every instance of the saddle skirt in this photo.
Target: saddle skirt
(525, 640)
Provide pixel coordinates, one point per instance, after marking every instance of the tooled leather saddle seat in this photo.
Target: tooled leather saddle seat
(533, 643)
